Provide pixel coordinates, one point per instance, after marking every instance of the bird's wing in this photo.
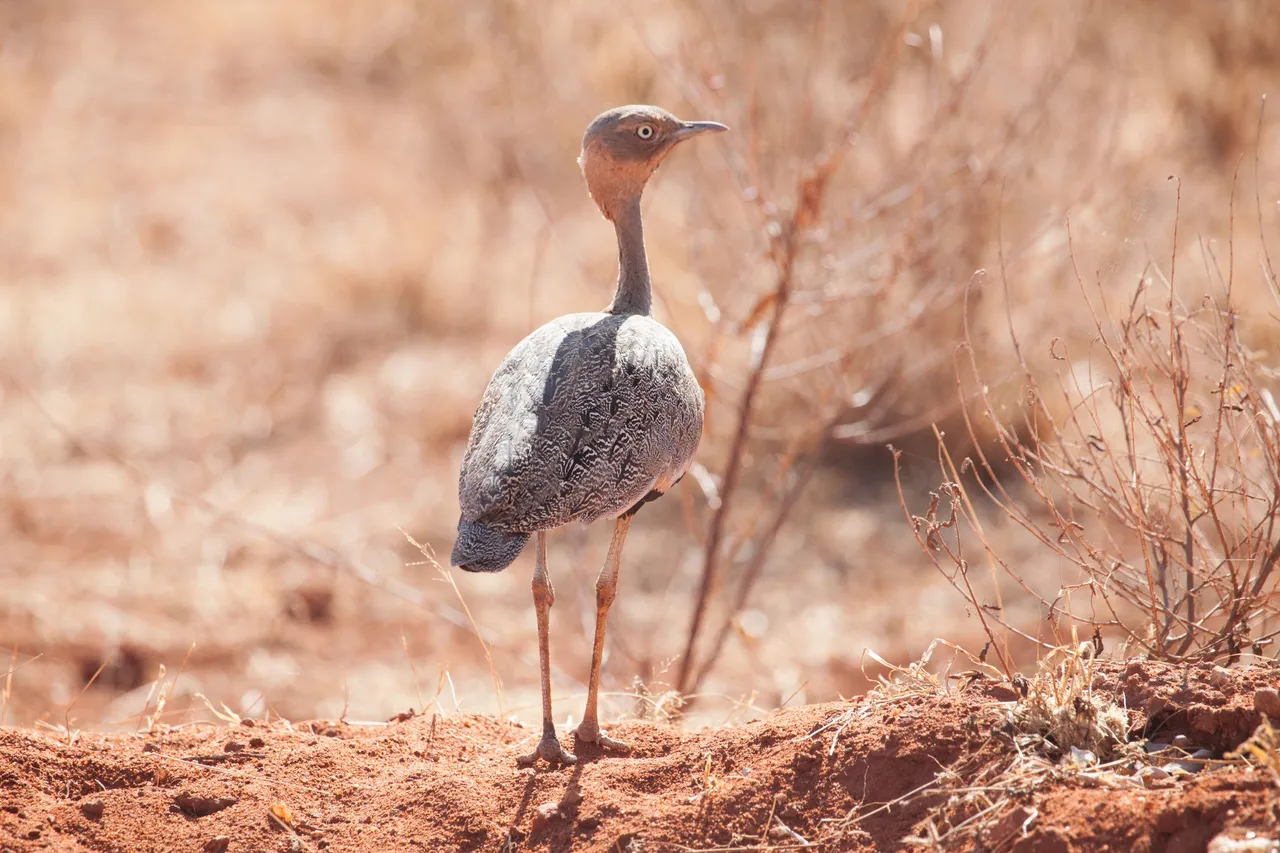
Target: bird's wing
(579, 421)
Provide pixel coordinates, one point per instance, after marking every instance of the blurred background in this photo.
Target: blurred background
(260, 259)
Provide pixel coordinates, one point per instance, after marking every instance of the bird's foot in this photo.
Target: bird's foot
(549, 750)
(589, 732)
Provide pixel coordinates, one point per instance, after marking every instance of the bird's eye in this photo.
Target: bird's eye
(645, 131)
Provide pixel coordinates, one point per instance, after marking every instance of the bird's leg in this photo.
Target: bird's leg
(606, 591)
(543, 597)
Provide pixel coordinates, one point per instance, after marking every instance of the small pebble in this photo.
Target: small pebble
(1083, 757)
(1176, 767)
(1151, 775)
(1267, 700)
(1220, 676)
(92, 809)
(218, 844)
(201, 806)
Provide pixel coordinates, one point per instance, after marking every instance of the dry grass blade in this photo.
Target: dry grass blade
(417, 685)
(14, 666)
(8, 685)
(66, 729)
(220, 711)
(1262, 750)
(427, 552)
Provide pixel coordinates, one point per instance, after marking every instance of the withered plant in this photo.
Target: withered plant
(1150, 470)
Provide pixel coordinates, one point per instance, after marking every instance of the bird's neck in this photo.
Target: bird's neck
(635, 293)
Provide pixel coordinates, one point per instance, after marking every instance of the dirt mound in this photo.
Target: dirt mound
(868, 774)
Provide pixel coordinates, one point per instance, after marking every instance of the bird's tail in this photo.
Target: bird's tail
(484, 549)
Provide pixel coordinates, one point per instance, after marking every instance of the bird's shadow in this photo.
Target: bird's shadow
(556, 831)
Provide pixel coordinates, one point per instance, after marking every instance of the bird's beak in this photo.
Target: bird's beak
(694, 128)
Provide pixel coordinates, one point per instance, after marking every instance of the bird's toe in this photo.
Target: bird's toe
(616, 745)
(589, 732)
(549, 750)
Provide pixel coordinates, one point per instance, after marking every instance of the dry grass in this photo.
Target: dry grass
(265, 256)
(1059, 728)
(1064, 717)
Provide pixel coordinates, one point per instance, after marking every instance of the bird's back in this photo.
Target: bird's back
(582, 420)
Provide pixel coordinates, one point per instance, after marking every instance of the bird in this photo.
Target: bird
(589, 417)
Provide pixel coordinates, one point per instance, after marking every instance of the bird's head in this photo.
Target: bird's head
(623, 146)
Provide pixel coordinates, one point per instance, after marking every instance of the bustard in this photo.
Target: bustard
(590, 416)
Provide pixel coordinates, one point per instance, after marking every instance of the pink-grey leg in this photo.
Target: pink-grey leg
(543, 597)
(606, 591)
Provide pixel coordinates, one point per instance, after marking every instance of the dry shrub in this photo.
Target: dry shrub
(861, 217)
(835, 283)
(1149, 465)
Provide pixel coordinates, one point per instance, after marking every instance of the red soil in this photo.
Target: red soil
(450, 783)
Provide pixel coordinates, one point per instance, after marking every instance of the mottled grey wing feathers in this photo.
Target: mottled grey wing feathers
(583, 419)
